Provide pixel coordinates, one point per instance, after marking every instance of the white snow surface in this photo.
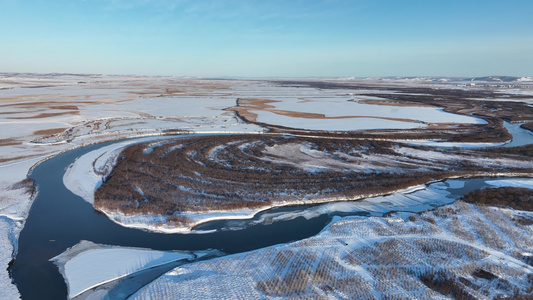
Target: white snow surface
(361, 258)
(441, 144)
(87, 265)
(519, 183)
(349, 124)
(7, 239)
(355, 115)
(415, 199)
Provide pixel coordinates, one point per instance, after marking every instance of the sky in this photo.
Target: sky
(268, 38)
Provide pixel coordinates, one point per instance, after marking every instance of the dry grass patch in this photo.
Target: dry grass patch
(65, 107)
(10, 142)
(46, 115)
(49, 131)
(9, 159)
(387, 102)
(245, 106)
(528, 126)
(506, 197)
(27, 185)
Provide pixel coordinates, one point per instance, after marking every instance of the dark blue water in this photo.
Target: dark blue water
(521, 136)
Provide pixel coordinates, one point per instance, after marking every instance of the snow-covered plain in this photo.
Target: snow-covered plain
(43, 115)
(468, 249)
(346, 124)
(518, 183)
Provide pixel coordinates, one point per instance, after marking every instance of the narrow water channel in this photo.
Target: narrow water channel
(521, 136)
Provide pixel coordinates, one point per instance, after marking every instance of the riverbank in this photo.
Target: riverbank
(373, 204)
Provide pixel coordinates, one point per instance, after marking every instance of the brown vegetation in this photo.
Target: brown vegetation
(49, 131)
(9, 142)
(65, 107)
(525, 151)
(3, 160)
(506, 197)
(27, 185)
(226, 172)
(394, 103)
(181, 176)
(46, 115)
(447, 284)
(528, 126)
(245, 106)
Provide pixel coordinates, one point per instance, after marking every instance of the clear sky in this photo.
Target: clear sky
(260, 38)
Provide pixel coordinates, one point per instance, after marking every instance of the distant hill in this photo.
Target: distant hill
(502, 79)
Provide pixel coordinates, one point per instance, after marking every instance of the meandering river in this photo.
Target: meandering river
(59, 219)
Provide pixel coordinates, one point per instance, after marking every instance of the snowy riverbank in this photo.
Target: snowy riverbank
(88, 265)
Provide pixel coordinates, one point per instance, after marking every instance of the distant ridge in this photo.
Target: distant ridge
(502, 79)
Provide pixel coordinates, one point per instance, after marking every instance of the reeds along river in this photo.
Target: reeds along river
(59, 219)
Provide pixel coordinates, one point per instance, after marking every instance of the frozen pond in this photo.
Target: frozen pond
(340, 114)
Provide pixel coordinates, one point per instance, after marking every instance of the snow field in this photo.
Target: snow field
(354, 115)
(358, 257)
(518, 183)
(7, 240)
(87, 265)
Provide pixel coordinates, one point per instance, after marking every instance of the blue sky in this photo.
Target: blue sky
(268, 38)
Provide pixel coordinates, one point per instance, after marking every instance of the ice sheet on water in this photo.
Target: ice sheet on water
(87, 265)
(520, 183)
